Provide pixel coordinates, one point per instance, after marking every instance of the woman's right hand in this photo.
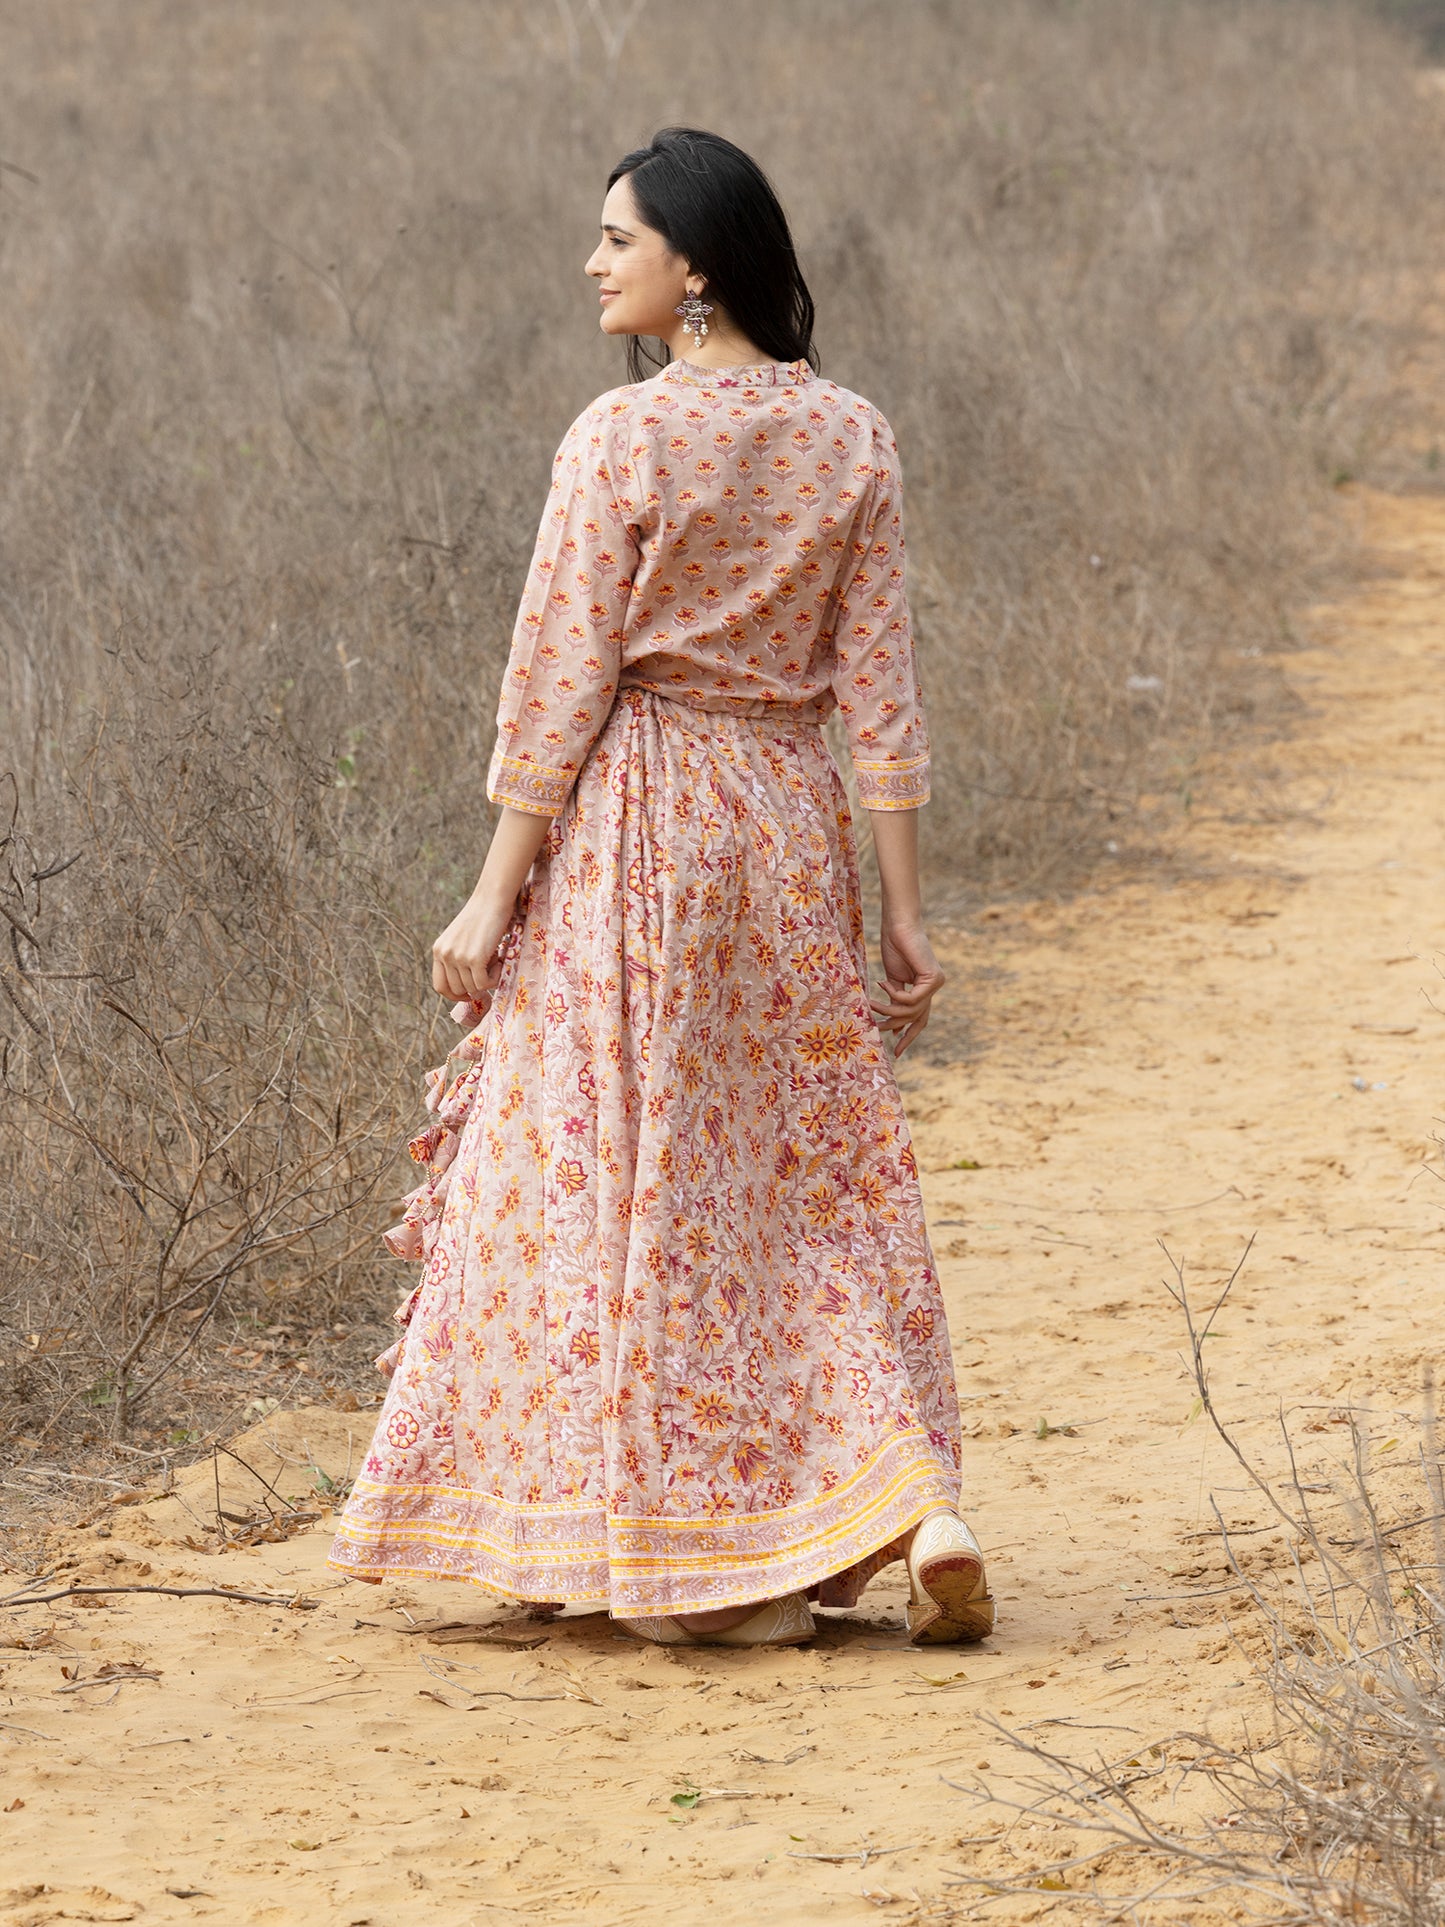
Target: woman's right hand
(912, 978)
(464, 961)
(465, 964)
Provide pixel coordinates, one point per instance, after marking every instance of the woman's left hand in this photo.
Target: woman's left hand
(900, 1003)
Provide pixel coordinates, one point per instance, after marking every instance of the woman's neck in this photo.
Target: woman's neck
(721, 348)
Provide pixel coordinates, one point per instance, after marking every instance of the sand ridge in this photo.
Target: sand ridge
(1247, 1046)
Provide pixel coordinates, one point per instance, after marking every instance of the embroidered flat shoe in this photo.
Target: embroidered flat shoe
(780, 1622)
(949, 1603)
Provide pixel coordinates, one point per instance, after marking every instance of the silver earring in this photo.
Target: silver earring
(693, 309)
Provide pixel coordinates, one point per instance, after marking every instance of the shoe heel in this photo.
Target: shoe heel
(949, 1602)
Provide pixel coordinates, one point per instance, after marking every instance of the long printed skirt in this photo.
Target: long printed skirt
(678, 1342)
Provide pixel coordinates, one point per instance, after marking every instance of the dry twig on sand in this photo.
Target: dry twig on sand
(295, 1602)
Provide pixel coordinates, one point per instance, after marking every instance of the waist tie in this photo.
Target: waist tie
(814, 712)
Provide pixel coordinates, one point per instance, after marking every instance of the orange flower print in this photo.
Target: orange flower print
(847, 1038)
(869, 1191)
(586, 1347)
(750, 1460)
(712, 1413)
(572, 1173)
(815, 1045)
(699, 1242)
(820, 1207)
(803, 888)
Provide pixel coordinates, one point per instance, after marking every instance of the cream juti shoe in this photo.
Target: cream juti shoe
(949, 1603)
(779, 1622)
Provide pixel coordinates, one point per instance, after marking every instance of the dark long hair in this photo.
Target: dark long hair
(712, 203)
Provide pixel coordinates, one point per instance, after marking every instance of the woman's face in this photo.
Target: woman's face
(640, 280)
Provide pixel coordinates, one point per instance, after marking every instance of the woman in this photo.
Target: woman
(678, 1344)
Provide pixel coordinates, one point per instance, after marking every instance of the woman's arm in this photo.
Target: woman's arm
(911, 975)
(464, 956)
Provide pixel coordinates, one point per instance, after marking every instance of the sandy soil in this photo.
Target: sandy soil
(1241, 1044)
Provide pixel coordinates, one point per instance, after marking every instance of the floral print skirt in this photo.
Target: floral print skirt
(678, 1342)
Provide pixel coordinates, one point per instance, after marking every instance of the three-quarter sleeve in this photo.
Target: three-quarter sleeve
(566, 650)
(875, 675)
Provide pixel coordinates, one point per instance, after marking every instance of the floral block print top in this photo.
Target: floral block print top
(729, 538)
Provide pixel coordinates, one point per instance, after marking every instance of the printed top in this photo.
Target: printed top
(732, 539)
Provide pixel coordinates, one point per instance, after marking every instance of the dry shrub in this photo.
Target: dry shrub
(201, 1061)
(294, 319)
(1336, 1815)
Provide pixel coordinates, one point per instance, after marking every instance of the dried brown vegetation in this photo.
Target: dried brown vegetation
(1332, 1810)
(294, 318)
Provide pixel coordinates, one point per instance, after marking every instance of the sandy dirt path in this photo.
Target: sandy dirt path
(1244, 1045)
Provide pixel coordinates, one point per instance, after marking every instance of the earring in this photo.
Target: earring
(692, 309)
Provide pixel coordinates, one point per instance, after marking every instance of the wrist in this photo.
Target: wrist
(907, 916)
(489, 899)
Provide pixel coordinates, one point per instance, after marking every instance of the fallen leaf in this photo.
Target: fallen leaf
(304, 1846)
(15, 1806)
(941, 1679)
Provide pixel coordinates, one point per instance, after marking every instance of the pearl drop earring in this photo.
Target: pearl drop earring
(693, 310)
